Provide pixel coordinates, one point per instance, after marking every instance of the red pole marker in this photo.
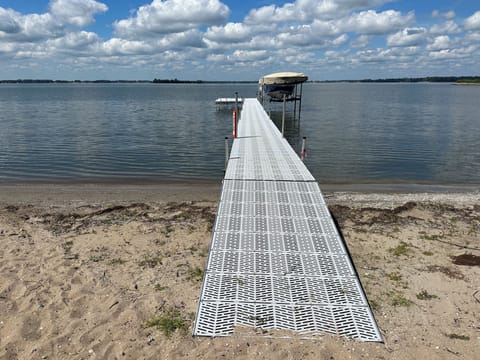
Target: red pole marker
(234, 124)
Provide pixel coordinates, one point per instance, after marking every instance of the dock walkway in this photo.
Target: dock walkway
(276, 259)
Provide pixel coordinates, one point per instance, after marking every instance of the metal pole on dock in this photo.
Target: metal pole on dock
(226, 153)
(236, 102)
(283, 115)
(295, 104)
(300, 105)
(235, 116)
(303, 153)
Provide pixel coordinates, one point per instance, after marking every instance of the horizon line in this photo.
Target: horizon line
(178, 81)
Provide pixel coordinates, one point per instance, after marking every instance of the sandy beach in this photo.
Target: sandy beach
(114, 272)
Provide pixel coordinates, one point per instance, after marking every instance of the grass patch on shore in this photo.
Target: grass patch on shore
(117, 261)
(195, 273)
(458, 337)
(96, 258)
(159, 287)
(374, 305)
(192, 273)
(150, 261)
(398, 299)
(394, 276)
(424, 236)
(402, 249)
(424, 295)
(169, 322)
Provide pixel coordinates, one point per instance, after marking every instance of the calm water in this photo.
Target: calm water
(357, 133)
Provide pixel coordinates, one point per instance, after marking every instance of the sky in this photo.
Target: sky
(238, 40)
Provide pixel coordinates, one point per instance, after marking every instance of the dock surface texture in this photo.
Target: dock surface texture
(277, 260)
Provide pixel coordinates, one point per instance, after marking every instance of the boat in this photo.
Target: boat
(280, 84)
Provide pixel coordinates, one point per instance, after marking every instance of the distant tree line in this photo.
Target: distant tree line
(176, 81)
(48, 81)
(442, 79)
(155, 81)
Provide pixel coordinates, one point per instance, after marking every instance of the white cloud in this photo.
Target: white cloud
(309, 10)
(360, 42)
(117, 46)
(241, 58)
(372, 23)
(408, 37)
(176, 41)
(74, 41)
(41, 27)
(31, 53)
(170, 16)
(440, 43)
(473, 22)
(186, 39)
(231, 32)
(38, 27)
(308, 41)
(8, 22)
(394, 56)
(372, 56)
(340, 40)
(446, 15)
(249, 55)
(472, 37)
(262, 42)
(6, 47)
(448, 27)
(459, 53)
(325, 28)
(76, 12)
(317, 35)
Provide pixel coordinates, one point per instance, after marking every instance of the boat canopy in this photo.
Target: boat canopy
(283, 78)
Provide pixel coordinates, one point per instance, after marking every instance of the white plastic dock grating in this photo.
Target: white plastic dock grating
(260, 152)
(276, 259)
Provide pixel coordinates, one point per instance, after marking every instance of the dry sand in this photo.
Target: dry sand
(84, 269)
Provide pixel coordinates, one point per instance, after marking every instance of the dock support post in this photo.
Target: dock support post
(234, 117)
(236, 102)
(283, 116)
(226, 153)
(295, 104)
(300, 105)
(235, 114)
(303, 153)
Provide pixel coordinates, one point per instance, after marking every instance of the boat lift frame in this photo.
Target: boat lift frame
(296, 97)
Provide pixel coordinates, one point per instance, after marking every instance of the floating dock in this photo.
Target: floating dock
(277, 261)
(228, 102)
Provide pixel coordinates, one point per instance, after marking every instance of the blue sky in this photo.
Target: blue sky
(238, 40)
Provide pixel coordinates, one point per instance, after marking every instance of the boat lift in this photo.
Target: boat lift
(282, 87)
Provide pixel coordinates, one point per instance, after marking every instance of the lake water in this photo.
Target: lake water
(357, 133)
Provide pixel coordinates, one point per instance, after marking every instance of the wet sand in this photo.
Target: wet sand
(106, 272)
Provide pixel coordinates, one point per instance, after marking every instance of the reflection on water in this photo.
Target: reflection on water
(412, 133)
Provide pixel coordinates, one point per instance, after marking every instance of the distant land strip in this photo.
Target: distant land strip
(154, 81)
(436, 79)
